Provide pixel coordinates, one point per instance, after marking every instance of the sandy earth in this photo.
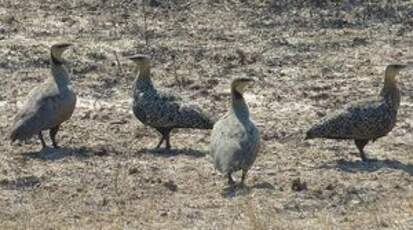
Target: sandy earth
(308, 57)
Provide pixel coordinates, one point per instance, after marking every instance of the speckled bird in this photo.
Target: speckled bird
(365, 120)
(160, 110)
(48, 105)
(235, 140)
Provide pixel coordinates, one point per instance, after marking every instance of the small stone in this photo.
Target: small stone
(171, 186)
(330, 187)
(133, 171)
(299, 186)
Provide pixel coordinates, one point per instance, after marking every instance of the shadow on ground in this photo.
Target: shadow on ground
(235, 191)
(370, 166)
(173, 152)
(51, 154)
(243, 190)
(26, 182)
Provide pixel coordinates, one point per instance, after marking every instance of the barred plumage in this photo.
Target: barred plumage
(161, 110)
(48, 105)
(235, 139)
(365, 120)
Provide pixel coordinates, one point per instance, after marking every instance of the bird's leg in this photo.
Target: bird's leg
(162, 132)
(230, 180)
(52, 133)
(165, 137)
(360, 145)
(244, 176)
(42, 140)
(160, 142)
(168, 143)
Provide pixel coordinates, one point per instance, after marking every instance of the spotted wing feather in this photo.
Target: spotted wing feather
(168, 111)
(368, 119)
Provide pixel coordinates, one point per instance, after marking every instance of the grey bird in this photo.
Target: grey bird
(48, 105)
(235, 140)
(160, 110)
(365, 120)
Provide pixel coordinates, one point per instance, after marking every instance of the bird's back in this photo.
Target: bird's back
(165, 110)
(47, 106)
(366, 119)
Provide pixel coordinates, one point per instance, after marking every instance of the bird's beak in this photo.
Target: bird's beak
(132, 58)
(247, 85)
(250, 83)
(409, 66)
(66, 45)
(137, 57)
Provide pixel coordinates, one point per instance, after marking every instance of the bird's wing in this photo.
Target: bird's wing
(255, 142)
(359, 120)
(168, 96)
(219, 132)
(192, 116)
(167, 110)
(37, 114)
(225, 143)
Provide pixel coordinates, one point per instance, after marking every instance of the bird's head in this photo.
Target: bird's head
(58, 49)
(141, 60)
(394, 69)
(241, 85)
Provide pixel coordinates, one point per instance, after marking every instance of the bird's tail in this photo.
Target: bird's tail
(310, 134)
(19, 132)
(12, 136)
(196, 118)
(207, 123)
(211, 122)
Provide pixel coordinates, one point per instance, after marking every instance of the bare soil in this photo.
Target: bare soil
(309, 57)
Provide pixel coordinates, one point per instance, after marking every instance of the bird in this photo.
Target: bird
(48, 105)
(235, 139)
(160, 110)
(364, 120)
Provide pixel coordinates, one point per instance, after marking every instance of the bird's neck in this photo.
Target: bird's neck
(60, 74)
(143, 81)
(390, 91)
(239, 106)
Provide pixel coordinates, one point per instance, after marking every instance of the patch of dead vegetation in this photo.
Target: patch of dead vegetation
(309, 57)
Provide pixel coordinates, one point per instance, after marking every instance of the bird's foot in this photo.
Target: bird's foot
(162, 149)
(55, 145)
(369, 160)
(231, 181)
(242, 185)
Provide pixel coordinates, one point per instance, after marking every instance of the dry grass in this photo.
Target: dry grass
(310, 57)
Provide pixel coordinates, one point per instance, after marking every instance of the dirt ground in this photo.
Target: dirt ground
(308, 57)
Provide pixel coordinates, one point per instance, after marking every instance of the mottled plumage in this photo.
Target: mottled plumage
(161, 110)
(235, 139)
(47, 105)
(365, 120)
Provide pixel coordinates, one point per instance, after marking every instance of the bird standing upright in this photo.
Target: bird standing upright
(235, 140)
(160, 110)
(47, 105)
(365, 120)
